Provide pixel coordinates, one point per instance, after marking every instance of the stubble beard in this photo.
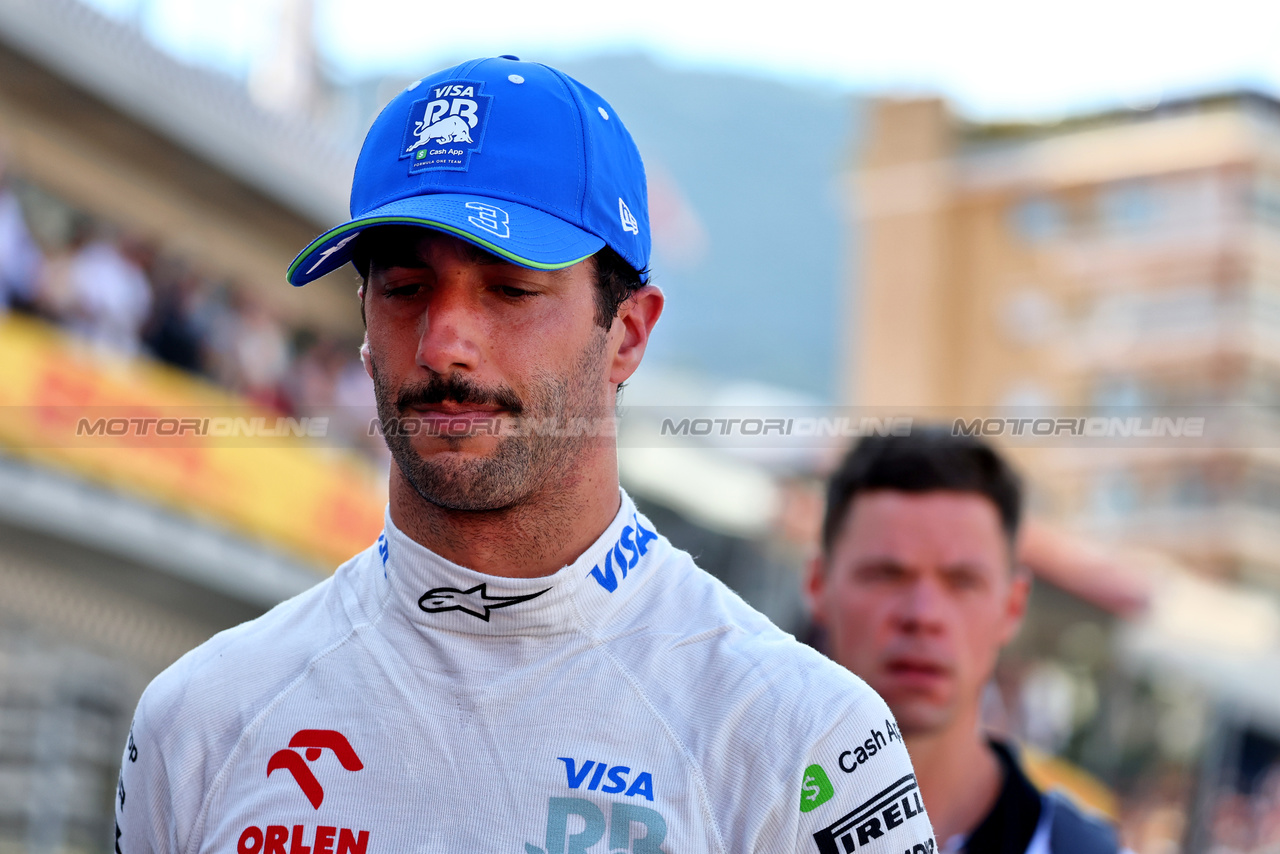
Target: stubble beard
(518, 466)
(922, 718)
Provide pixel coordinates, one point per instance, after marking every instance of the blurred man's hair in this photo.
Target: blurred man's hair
(930, 459)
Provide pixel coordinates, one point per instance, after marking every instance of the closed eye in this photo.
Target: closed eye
(403, 291)
(514, 293)
(881, 572)
(964, 578)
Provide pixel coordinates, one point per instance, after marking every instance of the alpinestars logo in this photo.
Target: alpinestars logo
(313, 741)
(446, 128)
(477, 602)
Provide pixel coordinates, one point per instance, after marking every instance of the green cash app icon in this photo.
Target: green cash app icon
(816, 789)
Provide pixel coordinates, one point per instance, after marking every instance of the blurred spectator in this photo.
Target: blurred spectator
(1232, 825)
(122, 296)
(112, 297)
(261, 354)
(1248, 822)
(250, 350)
(176, 333)
(56, 298)
(20, 257)
(918, 590)
(358, 409)
(1155, 819)
(311, 385)
(328, 379)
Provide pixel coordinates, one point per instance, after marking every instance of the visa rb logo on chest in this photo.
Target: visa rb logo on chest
(580, 773)
(575, 825)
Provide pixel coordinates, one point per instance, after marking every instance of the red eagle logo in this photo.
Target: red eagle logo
(313, 741)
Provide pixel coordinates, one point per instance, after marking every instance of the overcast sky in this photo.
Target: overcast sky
(996, 58)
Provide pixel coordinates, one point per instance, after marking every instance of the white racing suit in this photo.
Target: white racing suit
(628, 703)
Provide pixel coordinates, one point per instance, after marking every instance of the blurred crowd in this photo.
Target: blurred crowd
(122, 295)
(1249, 823)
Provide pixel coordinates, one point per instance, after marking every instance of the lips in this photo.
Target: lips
(449, 409)
(449, 419)
(916, 671)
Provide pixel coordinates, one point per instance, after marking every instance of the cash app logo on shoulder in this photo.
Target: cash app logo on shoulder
(816, 789)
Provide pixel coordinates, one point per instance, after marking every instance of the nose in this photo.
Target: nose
(920, 608)
(449, 331)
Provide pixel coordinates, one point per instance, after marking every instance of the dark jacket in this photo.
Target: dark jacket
(1027, 821)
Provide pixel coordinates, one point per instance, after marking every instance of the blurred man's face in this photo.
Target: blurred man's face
(917, 597)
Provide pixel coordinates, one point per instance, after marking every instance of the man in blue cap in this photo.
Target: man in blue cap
(520, 662)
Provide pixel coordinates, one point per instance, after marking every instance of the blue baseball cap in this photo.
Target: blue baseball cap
(515, 157)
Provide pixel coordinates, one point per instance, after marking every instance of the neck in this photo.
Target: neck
(958, 773)
(539, 535)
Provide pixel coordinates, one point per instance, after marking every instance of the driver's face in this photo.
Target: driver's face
(460, 343)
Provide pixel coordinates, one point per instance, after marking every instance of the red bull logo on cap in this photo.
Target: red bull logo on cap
(446, 128)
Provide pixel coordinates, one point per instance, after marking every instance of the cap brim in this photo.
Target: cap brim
(523, 235)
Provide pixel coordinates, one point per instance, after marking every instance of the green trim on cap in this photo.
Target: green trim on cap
(408, 220)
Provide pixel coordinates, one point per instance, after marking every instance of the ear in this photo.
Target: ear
(365, 358)
(1016, 604)
(631, 328)
(815, 586)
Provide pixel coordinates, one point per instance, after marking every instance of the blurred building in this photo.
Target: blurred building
(1120, 265)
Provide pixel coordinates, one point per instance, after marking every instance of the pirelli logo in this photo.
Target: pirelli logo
(880, 814)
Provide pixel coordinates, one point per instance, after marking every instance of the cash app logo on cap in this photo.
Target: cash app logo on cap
(816, 789)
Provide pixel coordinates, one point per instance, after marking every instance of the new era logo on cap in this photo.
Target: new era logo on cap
(628, 221)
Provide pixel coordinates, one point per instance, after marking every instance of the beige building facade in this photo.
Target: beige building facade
(1112, 267)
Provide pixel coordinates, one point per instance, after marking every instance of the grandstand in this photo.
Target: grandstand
(147, 213)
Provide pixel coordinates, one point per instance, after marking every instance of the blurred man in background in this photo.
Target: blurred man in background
(917, 590)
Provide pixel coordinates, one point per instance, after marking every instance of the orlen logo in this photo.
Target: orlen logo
(277, 839)
(313, 741)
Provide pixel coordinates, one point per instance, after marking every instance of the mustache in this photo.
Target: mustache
(455, 389)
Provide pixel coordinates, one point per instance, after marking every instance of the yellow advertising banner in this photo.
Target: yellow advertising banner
(159, 434)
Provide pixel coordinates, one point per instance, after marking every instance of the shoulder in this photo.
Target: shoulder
(1073, 830)
(193, 716)
(754, 708)
(1063, 825)
(692, 625)
(207, 698)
